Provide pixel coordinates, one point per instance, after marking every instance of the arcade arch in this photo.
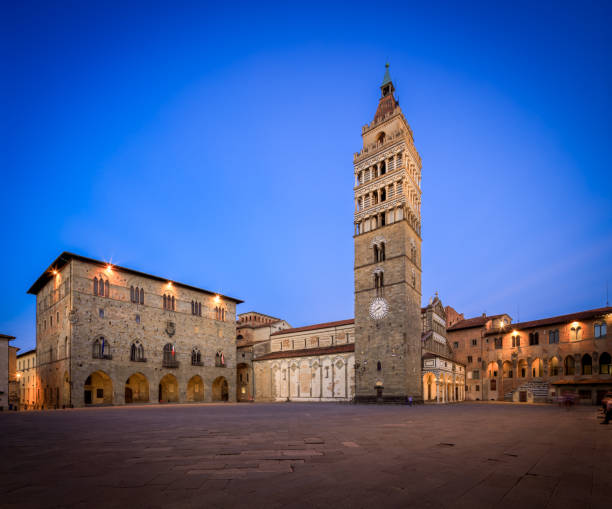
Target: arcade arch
(195, 389)
(168, 389)
(220, 389)
(98, 389)
(137, 389)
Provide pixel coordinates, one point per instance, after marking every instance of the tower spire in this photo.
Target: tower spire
(387, 102)
(387, 77)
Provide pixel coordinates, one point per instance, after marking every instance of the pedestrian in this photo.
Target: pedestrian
(608, 415)
(604, 401)
(410, 400)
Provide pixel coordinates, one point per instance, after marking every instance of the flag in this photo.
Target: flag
(222, 359)
(172, 350)
(102, 346)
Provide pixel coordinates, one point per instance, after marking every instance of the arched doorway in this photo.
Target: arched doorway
(137, 389)
(98, 389)
(537, 368)
(605, 364)
(587, 364)
(570, 365)
(220, 390)
(168, 389)
(554, 367)
(429, 387)
(195, 389)
(522, 368)
(492, 372)
(243, 385)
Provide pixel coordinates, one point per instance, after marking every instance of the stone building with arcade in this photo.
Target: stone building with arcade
(538, 360)
(107, 334)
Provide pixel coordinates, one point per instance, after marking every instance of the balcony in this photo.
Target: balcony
(197, 363)
(140, 359)
(170, 363)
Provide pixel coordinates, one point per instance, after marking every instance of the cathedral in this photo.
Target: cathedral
(113, 335)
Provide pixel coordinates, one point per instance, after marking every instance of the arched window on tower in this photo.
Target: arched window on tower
(379, 283)
(383, 168)
(95, 286)
(142, 296)
(383, 194)
(413, 279)
(376, 255)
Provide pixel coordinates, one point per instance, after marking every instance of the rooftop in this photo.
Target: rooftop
(259, 314)
(325, 350)
(6, 336)
(469, 323)
(66, 257)
(315, 327)
(572, 317)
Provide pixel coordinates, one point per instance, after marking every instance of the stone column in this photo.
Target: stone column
(529, 368)
(577, 364)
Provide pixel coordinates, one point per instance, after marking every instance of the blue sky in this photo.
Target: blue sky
(213, 144)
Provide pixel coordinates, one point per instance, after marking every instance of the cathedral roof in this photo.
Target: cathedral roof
(306, 352)
(315, 327)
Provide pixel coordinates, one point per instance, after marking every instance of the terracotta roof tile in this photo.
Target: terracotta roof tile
(468, 323)
(580, 315)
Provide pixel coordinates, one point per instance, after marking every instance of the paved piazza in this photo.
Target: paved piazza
(307, 455)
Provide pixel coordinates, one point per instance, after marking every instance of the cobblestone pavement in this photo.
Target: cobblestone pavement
(306, 455)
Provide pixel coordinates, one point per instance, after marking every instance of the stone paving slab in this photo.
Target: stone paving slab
(306, 455)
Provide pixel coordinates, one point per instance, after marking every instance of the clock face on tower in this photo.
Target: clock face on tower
(379, 308)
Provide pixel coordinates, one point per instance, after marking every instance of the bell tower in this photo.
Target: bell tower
(387, 257)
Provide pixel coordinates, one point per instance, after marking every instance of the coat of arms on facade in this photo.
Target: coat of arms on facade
(170, 328)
